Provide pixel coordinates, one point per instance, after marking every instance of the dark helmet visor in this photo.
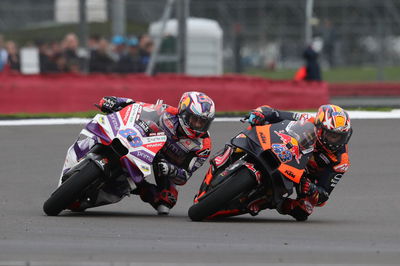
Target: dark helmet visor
(335, 138)
(196, 122)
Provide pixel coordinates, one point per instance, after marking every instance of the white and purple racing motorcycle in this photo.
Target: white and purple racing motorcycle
(113, 152)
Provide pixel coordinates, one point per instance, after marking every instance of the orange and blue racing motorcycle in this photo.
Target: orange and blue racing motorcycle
(260, 166)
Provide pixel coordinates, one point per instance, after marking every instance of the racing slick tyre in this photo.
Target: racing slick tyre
(214, 200)
(70, 189)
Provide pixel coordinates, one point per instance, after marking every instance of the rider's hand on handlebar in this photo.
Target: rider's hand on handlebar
(111, 104)
(307, 187)
(256, 118)
(165, 168)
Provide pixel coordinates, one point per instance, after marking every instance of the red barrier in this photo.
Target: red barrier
(73, 93)
(364, 89)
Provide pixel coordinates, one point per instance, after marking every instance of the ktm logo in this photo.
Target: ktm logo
(290, 173)
(263, 137)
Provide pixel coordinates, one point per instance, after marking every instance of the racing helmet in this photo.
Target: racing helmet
(196, 111)
(333, 127)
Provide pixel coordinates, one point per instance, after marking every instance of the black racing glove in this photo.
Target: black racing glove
(177, 175)
(111, 104)
(307, 187)
(256, 118)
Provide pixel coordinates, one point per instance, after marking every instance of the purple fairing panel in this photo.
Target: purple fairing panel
(133, 171)
(97, 130)
(82, 147)
(114, 122)
(144, 156)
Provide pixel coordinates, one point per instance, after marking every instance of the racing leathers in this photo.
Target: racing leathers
(172, 166)
(175, 163)
(324, 169)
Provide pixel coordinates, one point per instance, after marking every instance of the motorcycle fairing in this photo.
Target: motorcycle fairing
(261, 139)
(123, 125)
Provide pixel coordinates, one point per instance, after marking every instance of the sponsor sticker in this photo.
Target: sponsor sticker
(341, 168)
(291, 144)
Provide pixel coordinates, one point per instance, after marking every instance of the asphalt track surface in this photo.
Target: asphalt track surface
(360, 225)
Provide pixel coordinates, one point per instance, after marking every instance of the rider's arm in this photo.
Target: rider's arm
(267, 114)
(196, 159)
(329, 177)
(177, 175)
(110, 104)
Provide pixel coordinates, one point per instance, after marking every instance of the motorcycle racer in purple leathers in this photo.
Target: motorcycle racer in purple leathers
(187, 147)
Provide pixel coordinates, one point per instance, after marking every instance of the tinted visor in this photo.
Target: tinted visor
(197, 122)
(335, 138)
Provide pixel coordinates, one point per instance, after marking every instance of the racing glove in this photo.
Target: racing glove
(177, 175)
(307, 188)
(256, 118)
(111, 104)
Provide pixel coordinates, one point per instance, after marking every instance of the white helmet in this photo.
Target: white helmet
(196, 112)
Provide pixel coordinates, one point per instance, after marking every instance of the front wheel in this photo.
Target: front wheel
(70, 190)
(214, 200)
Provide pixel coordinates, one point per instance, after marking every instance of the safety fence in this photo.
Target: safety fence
(74, 93)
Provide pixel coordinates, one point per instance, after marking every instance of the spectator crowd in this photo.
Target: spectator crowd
(118, 55)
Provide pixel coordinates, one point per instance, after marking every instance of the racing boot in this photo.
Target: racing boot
(162, 210)
(299, 209)
(167, 200)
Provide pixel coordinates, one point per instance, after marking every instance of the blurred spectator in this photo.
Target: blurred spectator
(313, 71)
(3, 54)
(93, 41)
(130, 61)
(124, 56)
(55, 47)
(329, 39)
(118, 47)
(100, 60)
(71, 44)
(13, 56)
(45, 57)
(145, 49)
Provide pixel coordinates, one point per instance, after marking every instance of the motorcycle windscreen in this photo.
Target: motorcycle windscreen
(288, 144)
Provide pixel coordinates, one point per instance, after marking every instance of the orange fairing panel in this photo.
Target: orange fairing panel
(291, 172)
(264, 137)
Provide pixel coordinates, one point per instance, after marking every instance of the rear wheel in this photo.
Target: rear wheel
(70, 190)
(214, 200)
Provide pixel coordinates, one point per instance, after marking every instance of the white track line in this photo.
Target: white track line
(394, 114)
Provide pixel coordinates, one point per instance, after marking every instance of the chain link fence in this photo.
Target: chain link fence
(268, 33)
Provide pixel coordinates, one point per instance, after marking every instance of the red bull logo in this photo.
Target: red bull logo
(293, 146)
